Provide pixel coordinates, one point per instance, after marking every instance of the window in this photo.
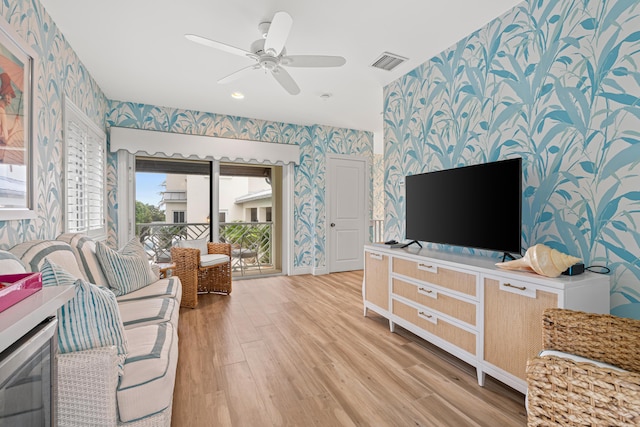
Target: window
(178, 216)
(84, 145)
(222, 217)
(268, 214)
(254, 214)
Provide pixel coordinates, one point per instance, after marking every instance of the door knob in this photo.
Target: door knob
(333, 224)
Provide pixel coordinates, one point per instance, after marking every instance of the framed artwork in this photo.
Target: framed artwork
(16, 125)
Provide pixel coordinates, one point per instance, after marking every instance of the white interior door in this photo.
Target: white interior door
(347, 212)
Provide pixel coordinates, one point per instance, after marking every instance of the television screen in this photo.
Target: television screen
(477, 206)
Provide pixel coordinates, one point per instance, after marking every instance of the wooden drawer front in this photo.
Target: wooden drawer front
(432, 273)
(431, 323)
(431, 298)
(376, 279)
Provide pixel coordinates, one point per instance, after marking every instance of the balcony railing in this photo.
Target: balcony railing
(251, 242)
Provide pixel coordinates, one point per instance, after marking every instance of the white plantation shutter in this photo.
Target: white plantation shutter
(85, 158)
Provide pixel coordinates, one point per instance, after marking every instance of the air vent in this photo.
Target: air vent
(388, 61)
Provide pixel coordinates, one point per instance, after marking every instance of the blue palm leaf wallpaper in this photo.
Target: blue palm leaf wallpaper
(59, 74)
(558, 84)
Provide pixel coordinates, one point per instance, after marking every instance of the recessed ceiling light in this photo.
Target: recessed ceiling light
(237, 95)
(325, 96)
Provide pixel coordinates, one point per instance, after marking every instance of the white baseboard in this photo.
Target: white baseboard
(319, 271)
(316, 271)
(297, 271)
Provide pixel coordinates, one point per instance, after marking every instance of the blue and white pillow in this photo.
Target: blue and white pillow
(89, 320)
(126, 270)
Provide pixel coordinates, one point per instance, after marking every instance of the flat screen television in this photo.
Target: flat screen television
(477, 206)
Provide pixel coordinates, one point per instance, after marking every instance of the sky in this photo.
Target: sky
(149, 186)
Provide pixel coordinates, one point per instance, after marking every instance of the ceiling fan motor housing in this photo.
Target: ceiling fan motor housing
(268, 62)
(257, 47)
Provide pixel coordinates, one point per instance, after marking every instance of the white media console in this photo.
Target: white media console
(488, 317)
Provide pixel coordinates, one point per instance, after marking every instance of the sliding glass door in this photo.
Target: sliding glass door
(240, 204)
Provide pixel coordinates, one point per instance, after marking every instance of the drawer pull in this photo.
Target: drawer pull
(375, 256)
(428, 316)
(427, 267)
(522, 288)
(428, 291)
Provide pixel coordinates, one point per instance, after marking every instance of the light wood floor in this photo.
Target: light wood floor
(297, 351)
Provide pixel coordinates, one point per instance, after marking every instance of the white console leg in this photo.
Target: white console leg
(392, 326)
(481, 376)
(365, 311)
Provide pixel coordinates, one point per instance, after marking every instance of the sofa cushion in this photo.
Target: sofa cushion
(84, 249)
(33, 253)
(146, 387)
(213, 259)
(125, 269)
(149, 311)
(90, 319)
(10, 264)
(169, 287)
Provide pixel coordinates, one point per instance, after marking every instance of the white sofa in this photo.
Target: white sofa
(90, 389)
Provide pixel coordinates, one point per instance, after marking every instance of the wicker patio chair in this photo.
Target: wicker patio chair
(566, 392)
(195, 278)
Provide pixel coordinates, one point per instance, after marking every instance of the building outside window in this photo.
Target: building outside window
(178, 217)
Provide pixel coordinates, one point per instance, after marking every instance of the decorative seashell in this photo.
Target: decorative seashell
(543, 260)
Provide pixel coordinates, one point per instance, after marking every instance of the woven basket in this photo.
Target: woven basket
(564, 392)
(196, 279)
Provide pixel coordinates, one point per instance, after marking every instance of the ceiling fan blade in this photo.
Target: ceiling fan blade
(237, 74)
(278, 33)
(313, 61)
(285, 80)
(220, 46)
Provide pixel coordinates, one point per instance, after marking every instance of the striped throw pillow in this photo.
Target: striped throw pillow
(126, 270)
(91, 319)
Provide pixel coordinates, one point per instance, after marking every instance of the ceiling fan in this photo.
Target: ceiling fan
(270, 53)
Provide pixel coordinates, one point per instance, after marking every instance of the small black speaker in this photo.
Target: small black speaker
(574, 270)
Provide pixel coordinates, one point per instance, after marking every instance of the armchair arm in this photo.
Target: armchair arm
(219, 248)
(610, 339)
(185, 258)
(86, 387)
(564, 392)
(187, 261)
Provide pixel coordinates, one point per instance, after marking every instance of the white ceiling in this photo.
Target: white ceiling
(136, 51)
